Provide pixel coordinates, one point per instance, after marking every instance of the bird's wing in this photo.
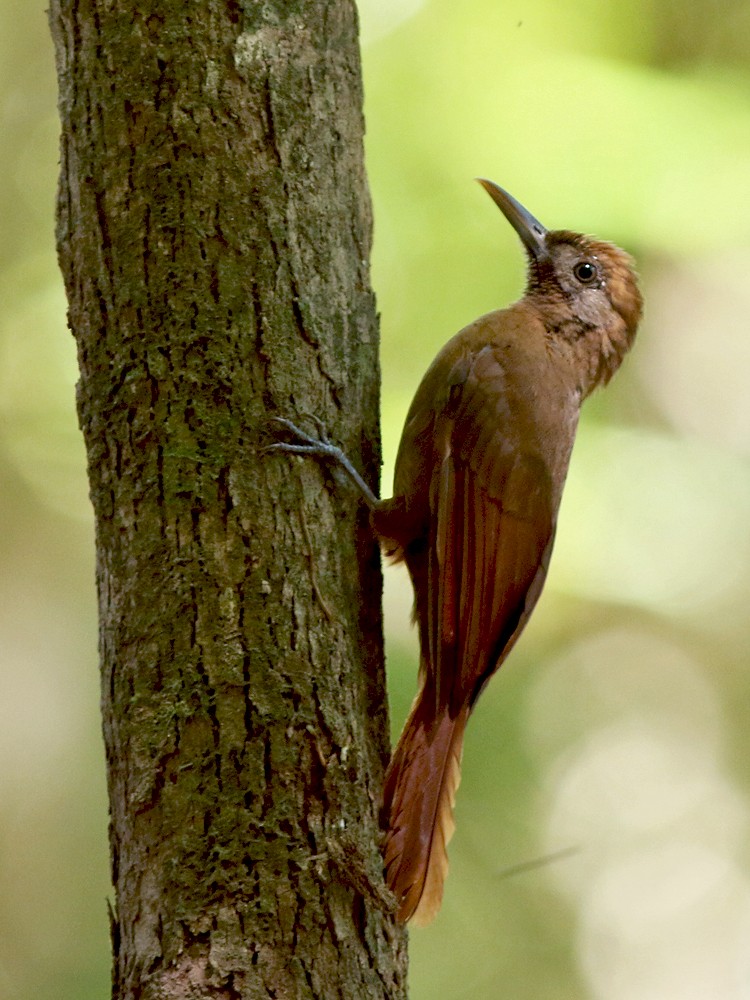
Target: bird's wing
(492, 518)
(477, 573)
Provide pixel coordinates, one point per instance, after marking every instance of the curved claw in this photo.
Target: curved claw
(322, 433)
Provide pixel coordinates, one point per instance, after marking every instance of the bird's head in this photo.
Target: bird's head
(586, 290)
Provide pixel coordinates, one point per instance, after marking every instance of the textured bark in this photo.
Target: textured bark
(214, 236)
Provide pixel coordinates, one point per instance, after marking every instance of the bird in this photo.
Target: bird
(478, 481)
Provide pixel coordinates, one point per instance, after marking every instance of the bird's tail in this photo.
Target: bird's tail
(420, 790)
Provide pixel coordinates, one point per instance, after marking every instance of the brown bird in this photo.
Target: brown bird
(478, 481)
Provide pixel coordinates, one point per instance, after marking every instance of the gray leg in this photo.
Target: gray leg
(321, 447)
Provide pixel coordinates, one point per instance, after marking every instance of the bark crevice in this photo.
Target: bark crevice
(213, 232)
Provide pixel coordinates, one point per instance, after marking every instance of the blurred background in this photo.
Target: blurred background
(602, 845)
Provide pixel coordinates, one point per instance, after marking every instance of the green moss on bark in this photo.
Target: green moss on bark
(214, 233)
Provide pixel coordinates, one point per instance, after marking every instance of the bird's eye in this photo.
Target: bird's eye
(585, 271)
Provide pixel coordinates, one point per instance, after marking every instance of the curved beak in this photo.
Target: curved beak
(532, 232)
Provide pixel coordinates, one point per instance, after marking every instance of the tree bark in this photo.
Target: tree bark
(214, 235)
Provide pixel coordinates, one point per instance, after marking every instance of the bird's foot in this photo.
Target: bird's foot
(304, 443)
(320, 447)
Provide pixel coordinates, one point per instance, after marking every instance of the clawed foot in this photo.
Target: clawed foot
(305, 443)
(320, 447)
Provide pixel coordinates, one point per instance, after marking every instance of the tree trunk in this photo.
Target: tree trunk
(214, 235)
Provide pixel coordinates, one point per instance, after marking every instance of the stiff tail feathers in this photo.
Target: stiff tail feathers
(420, 792)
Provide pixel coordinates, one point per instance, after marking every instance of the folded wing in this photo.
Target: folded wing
(477, 575)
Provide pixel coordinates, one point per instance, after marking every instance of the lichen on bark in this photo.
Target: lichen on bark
(214, 234)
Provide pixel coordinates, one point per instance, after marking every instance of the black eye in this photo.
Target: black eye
(585, 271)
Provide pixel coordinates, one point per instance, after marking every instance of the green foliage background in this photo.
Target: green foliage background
(603, 820)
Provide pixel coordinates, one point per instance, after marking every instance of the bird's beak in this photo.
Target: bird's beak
(532, 232)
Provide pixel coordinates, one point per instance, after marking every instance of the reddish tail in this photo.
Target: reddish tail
(420, 790)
